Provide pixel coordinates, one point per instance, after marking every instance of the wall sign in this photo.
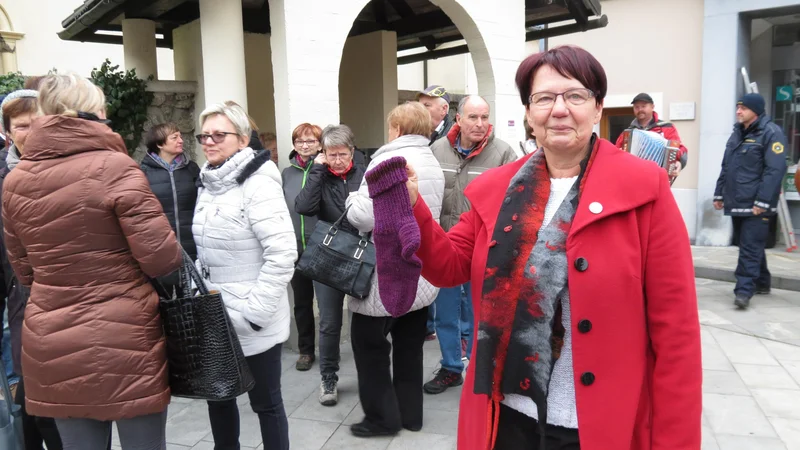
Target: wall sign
(681, 111)
(783, 93)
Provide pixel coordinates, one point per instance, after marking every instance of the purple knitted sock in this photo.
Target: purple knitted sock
(396, 236)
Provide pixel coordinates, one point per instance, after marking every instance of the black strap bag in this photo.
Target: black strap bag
(204, 357)
(339, 259)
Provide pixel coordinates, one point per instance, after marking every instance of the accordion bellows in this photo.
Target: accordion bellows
(650, 146)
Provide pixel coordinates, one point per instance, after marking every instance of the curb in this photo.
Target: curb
(778, 282)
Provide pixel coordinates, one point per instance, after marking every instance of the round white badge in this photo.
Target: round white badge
(595, 208)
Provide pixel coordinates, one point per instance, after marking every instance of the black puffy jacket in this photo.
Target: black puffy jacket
(177, 192)
(325, 193)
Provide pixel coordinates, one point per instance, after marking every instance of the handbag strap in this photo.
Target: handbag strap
(190, 274)
(339, 221)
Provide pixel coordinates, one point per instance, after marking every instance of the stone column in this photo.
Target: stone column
(222, 36)
(139, 44)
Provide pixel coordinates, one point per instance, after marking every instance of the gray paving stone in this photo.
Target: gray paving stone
(709, 442)
(310, 409)
(713, 356)
(743, 349)
(789, 432)
(793, 367)
(737, 415)
(723, 382)
(188, 427)
(782, 351)
(249, 428)
(421, 440)
(778, 403)
(775, 377)
(310, 434)
(446, 401)
(728, 442)
(343, 439)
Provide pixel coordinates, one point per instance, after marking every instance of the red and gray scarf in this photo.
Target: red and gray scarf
(520, 333)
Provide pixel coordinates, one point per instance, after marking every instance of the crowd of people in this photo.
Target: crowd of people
(568, 289)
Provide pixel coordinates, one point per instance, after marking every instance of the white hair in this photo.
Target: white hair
(69, 93)
(235, 113)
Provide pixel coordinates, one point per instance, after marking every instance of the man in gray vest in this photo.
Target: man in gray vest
(437, 101)
(468, 150)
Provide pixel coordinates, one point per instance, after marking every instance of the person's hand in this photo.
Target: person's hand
(321, 159)
(718, 205)
(758, 211)
(675, 170)
(412, 185)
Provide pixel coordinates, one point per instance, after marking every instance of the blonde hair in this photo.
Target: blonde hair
(235, 113)
(411, 118)
(66, 94)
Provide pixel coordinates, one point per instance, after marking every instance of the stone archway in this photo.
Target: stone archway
(8, 43)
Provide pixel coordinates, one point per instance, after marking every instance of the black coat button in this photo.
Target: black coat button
(584, 326)
(587, 378)
(581, 264)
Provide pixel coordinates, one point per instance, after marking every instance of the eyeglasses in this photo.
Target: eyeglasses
(342, 156)
(300, 143)
(574, 97)
(218, 137)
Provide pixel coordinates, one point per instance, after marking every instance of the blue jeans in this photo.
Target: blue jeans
(431, 326)
(454, 321)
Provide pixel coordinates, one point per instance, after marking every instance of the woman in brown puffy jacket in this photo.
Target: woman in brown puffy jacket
(85, 232)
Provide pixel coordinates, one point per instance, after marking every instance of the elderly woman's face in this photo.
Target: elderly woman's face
(565, 124)
(306, 145)
(19, 129)
(339, 158)
(218, 127)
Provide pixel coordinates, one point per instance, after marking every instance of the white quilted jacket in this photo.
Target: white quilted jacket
(246, 246)
(415, 150)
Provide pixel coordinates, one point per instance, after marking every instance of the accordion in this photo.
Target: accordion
(652, 147)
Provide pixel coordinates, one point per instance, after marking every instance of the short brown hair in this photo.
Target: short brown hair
(304, 128)
(33, 82)
(411, 118)
(158, 135)
(571, 62)
(16, 108)
(267, 137)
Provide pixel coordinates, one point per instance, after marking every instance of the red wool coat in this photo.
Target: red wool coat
(635, 301)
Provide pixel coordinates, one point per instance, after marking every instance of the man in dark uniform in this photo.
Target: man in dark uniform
(748, 189)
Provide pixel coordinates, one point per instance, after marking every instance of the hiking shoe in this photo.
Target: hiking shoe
(444, 379)
(741, 301)
(328, 392)
(304, 363)
(763, 290)
(430, 336)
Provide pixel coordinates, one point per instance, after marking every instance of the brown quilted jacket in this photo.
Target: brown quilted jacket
(84, 231)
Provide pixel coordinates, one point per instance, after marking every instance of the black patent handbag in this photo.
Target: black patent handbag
(204, 357)
(339, 259)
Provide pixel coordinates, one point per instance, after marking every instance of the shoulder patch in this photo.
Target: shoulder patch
(777, 148)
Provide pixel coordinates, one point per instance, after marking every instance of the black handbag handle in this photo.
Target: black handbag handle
(187, 273)
(362, 244)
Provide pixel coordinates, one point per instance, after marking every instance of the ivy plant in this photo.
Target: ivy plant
(11, 82)
(127, 100)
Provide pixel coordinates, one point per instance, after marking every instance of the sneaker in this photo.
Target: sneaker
(430, 336)
(444, 379)
(741, 301)
(304, 362)
(328, 392)
(763, 290)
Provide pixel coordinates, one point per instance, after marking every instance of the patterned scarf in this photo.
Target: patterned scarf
(520, 333)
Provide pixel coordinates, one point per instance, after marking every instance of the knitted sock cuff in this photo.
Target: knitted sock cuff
(386, 175)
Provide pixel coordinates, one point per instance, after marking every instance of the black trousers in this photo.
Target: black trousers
(390, 401)
(266, 401)
(38, 430)
(303, 289)
(516, 431)
(751, 271)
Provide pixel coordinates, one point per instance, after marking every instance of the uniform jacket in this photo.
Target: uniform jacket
(459, 171)
(752, 169)
(415, 150)
(632, 299)
(294, 179)
(246, 246)
(448, 124)
(325, 194)
(84, 230)
(664, 128)
(177, 192)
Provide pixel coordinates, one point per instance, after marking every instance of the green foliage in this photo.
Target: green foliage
(127, 100)
(11, 82)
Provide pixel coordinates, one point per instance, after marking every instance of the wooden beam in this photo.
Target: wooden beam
(401, 8)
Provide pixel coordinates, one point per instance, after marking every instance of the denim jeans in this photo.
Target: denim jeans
(454, 321)
(431, 325)
(331, 304)
(146, 432)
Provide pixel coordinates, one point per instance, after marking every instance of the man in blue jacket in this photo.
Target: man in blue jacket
(748, 189)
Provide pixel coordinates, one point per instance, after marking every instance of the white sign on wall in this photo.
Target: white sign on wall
(681, 111)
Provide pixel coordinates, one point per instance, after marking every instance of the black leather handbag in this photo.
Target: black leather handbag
(339, 259)
(204, 357)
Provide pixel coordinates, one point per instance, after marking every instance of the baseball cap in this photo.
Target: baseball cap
(642, 98)
(435, 91)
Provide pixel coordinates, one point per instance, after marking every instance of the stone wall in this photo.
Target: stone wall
(173, 101)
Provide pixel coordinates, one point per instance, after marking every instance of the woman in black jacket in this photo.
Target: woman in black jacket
(331, 180)
(173, 179)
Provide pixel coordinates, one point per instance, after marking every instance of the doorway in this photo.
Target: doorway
(615, 121)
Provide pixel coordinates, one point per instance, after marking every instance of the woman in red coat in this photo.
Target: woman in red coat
(584, 286)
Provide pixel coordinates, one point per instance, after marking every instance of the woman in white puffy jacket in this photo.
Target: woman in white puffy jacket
(246, 250)
(394, 401)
